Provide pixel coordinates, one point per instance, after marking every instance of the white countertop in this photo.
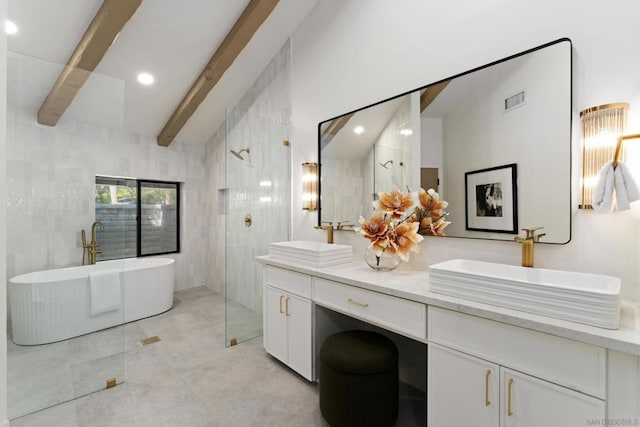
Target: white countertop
(412, 283)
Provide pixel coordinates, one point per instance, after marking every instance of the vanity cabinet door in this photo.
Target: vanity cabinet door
(462, 390)
(275, 324)
(298, 313)
(532, 402)
(288, 329)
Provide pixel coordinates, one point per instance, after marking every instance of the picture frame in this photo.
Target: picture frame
(491, 199)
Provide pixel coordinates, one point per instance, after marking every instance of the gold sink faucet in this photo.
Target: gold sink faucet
(91, 248)
(341, 225)
(329, 229)
(527, 244)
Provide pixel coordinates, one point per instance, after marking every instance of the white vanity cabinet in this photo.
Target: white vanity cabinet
(478, 365)
(287, 318)
(528, 401)
(462, 390)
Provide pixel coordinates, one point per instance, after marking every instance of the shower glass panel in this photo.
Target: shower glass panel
(63, 341)
(257, 213)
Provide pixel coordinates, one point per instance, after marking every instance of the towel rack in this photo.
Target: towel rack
(618, 153)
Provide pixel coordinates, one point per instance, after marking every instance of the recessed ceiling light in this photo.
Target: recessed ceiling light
(10, 27)
(358, 130)
(406, 132)
(145, 78)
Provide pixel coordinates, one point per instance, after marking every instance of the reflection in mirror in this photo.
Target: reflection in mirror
(513, 111)
(365, 153)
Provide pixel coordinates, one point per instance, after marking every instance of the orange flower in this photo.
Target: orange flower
(431, 203)
(405, 240)
(429, 227)
(398, 224)
(376, 230)
(394, 203)
(438, 227)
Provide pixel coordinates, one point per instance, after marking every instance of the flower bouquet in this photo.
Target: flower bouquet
(398, 224)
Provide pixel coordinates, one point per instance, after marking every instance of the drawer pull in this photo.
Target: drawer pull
(509, 409)
(358, 303)
(487, 402)
(286, 305)
(281, 296)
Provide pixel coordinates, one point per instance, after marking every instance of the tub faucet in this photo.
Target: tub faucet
(527, 244)
(91, 248)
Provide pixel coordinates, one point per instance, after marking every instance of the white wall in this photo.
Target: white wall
(350, 54)
(3, 219)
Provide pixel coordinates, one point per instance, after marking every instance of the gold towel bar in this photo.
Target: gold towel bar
(618, 153)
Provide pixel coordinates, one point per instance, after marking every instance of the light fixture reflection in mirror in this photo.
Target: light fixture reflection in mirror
(310, 186)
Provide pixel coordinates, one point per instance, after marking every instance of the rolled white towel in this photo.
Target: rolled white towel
(602, 201)
(626, 187)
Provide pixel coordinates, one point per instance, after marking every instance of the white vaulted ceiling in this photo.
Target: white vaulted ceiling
(171, 39)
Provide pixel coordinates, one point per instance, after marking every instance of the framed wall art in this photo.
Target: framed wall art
(491, 199)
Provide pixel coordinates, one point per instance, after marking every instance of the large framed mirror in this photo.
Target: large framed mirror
(511, 117)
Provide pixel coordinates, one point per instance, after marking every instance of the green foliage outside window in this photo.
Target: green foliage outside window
(161, 196)
(103, 195)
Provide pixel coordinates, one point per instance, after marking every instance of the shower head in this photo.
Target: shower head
(238, 154)
(384, 165)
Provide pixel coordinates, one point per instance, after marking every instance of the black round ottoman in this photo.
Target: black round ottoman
(358, 379)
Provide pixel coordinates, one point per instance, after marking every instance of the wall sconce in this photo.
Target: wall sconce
(310, 186)
(601, 128)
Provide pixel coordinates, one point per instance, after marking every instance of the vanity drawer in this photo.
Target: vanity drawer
(289, 281)
(399, 315)
(576, 365)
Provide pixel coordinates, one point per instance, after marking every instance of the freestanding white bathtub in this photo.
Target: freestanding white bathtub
(54, 305)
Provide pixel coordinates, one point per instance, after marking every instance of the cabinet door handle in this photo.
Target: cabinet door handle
(487, 402)
(286, 306)
(358, 303)
(281, 296)
(509, 408)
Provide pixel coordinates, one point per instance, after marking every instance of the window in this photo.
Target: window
(158, 213)
(140, 217)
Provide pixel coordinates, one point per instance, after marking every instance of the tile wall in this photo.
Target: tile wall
(259, 122)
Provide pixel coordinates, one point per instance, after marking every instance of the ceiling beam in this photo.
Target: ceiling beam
(430, 93)
(330, 129)
(99, 36)
(238, 37)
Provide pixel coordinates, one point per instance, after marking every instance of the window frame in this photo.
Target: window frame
(138, 185)
(139, 217)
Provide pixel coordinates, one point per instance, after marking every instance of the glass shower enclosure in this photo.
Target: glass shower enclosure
(257, 169)
(51, 174)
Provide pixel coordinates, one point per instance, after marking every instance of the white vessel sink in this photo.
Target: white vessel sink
(314, 254)
(591, 299)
